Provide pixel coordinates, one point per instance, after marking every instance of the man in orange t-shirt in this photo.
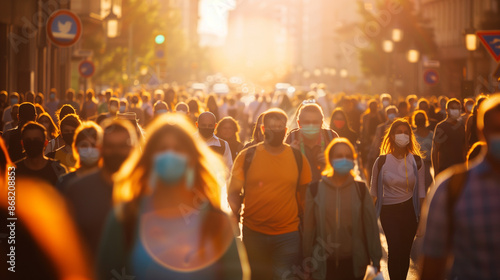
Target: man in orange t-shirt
(273, 187)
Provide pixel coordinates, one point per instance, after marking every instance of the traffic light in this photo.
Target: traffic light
(159, 39)
(160, 46)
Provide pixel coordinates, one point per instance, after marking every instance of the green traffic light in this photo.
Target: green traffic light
(159, 39)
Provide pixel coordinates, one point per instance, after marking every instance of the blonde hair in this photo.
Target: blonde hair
(329, 171)
(388, 145)
(132, 180)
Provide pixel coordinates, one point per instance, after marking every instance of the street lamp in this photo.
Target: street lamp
(413, 56)
(111, 24)
(387, 46)
(470, 40)
(397, 35)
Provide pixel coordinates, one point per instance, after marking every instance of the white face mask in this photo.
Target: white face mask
(89, 156)
(402, 140)
(455, 113)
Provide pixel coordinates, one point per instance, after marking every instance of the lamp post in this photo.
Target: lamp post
(413, 56)
(343, 75)
(111, 20)
(397, 35)
(388, 47)
(471, 46)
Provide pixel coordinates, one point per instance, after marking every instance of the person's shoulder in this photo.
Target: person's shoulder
(88, 180)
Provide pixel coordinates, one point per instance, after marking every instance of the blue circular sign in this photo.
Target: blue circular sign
(86, 68)
(64, 28)
(431, 77)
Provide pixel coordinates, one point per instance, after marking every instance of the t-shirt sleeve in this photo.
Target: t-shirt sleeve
(305, 174)
(436, 235)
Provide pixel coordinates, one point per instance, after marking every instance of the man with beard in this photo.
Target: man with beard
(35, 164)
(90, 197)
(272, 176)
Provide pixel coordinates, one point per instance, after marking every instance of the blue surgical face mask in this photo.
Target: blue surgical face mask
(170, 167)
(52, 96)
(161, 111)
(13, 101)
(385, 103)
(391, 117)
(342, 166)
(122, 108)
(310, 130)
(494, 146)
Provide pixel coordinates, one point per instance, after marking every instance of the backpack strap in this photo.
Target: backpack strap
(298, 159)
(456, 185)
(222, 143)
(418, 160)
(361, 188)
(313, 188)
(129, 215)
(381, 162)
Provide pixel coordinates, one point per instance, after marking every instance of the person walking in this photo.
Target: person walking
(339, 209)
(398, 190)
(168, 223)
(464, 211)
(273, 177)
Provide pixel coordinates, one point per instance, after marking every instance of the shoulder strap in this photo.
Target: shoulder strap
(298, 159)
(456, 185)
(129, 216)
(361, 188)
(418, 160)
(313, 187)
(222, 143)
(248, 159)
(381, 162)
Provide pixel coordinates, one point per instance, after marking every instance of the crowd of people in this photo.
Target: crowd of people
(140, 181)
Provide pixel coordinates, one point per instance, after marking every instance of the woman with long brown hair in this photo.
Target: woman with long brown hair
(168, 223)
(398, 190)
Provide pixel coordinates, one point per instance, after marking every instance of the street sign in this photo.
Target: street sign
(83, 53)
(86, 68)
(64, 28)
(491, 41)
(431, 77)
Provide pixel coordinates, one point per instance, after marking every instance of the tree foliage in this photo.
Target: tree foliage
(417, 33)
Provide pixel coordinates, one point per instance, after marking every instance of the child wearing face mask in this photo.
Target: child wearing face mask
(339, 209)
(398, 190)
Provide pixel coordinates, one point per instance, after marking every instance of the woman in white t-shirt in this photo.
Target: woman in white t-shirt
(398, 190)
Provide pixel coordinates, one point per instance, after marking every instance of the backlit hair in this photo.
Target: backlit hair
(329, 171)
(132, 180)
(388, 145)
